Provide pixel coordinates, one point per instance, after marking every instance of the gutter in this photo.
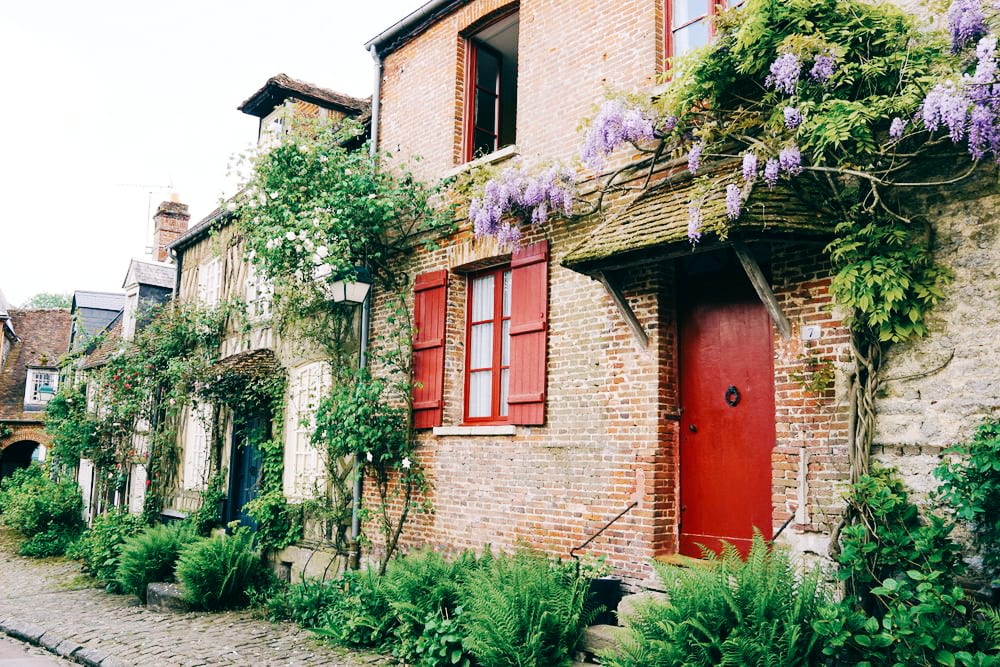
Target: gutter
(376, 100)
(396, 35)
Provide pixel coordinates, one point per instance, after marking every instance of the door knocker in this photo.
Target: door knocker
(732, 396)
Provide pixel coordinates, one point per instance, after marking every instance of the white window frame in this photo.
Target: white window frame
(259, 294)
(197, 437)
(304, 465)
(34, 381)
(209, 281)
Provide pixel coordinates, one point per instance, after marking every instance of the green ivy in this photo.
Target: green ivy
(970, 477)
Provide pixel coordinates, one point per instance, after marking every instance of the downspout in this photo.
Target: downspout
(355, 555)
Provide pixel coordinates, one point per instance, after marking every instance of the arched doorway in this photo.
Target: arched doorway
(19, 455)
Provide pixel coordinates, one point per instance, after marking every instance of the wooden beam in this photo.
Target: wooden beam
(623, 307)
(763, 288)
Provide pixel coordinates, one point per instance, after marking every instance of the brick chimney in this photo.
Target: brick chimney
(170, 221)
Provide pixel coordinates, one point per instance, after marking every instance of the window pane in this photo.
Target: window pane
(487, 70)
(483, 143)
(482, 346)
(506, 293)
(684, 11)
(482, 298)
(690, 37)
(486, 111)
(480, 393)
(505, 344)
(504, 393)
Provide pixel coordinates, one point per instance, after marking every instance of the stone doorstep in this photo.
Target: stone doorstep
(166, 597)
(598, 638)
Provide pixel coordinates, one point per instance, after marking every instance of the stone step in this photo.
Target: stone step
(630, 604)
(599, 638)
(166, 597)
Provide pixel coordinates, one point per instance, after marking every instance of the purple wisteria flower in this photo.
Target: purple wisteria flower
(897, 127)
(694, 222)
(771, 170)
(946, 105)
(694, 158)
(785, 71)
(669, 124)
(793, 118)
(615, 124)
(734, 201)
(790, 160)
(749, 168)
(823, 68)
(966, 22)
(530, 198)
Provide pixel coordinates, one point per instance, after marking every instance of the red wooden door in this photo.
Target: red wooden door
(727, 413)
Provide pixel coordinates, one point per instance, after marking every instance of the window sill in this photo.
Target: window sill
(504, 153)
(495, 429)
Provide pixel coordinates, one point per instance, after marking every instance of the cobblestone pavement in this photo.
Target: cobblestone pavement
(48, 603)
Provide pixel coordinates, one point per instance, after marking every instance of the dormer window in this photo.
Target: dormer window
(40, 386)
(491, 103)
(130, 314)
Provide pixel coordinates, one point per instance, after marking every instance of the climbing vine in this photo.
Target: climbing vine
(318, 207)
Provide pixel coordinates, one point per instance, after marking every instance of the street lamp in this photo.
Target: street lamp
(355, 289)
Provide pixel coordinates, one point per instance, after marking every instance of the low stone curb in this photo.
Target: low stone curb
(64, 648)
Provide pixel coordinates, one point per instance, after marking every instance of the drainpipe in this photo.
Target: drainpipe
(355, 556)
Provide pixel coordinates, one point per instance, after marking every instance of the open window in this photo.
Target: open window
(491, 104)
(690, 23)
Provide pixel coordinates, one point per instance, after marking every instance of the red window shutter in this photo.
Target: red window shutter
(529, 323)
(429, 312)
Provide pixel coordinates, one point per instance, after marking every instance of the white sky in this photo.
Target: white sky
(106, 101)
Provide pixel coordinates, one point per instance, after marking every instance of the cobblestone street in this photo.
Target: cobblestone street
(48, 603)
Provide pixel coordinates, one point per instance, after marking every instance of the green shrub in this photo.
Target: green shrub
(306, 602)
(220, 572)
(99, 547)
(48, 514)
(208, 515)
(151, 556)
(523, 610)
(971, 486)
(423, 592)
(757, 611)
(359, 615)
(903, 605)
(279, 523)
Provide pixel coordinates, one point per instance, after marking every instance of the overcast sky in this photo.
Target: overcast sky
(108, 105)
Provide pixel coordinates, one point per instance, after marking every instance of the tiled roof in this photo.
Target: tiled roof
(44, 338)
(217, 217)
(250, 364)
(98, 300)
(100, 354)
(655, 224)
(150, 273)
(281, 86)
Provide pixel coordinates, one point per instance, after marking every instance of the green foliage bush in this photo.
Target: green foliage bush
(971, 485)
(48, 514)
(305, 602)
(903, 605)
(279, 523)
(757, 611)
(151, 556)
(424, 591)
(99, 548)
(221, 572)
(360, 615)
(523, 610)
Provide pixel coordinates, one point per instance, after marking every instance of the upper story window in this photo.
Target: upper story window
(259, 294)
(209, 274)
(690, 23)
(40, 386)
(491, 103)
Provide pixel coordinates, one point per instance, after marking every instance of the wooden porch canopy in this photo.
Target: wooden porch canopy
(653, 228)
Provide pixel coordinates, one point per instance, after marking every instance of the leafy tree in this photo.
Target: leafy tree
(44, 300)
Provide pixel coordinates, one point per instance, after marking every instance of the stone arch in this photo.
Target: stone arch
(19, 432)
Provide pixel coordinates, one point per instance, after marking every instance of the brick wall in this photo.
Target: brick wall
(569, 58)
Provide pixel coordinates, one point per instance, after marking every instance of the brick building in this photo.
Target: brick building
(606, 365)
(31, 343)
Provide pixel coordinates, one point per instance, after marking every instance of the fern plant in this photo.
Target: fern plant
(151, 556)
(523, 611)
(752, 612)
(220, 572)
